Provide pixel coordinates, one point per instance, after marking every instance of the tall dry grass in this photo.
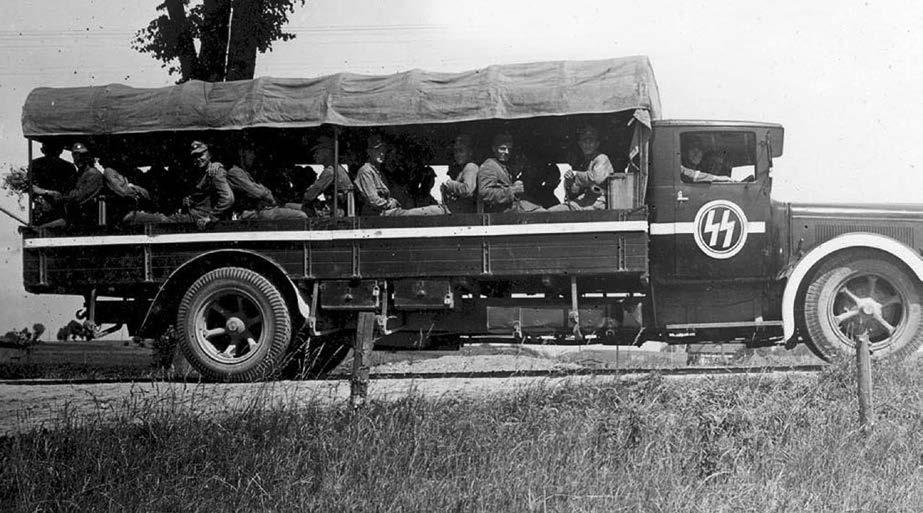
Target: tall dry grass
(739, 444)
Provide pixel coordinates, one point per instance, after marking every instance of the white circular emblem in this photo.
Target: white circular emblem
(720, 229)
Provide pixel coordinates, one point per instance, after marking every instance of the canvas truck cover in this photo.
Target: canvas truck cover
(413, 97)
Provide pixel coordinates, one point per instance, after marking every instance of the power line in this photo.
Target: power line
(101, 32)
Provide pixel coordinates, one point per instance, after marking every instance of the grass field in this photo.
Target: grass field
(117, 359)
(734, 444)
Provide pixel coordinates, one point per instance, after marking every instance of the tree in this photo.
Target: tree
(75, 330)
(223, 54)
(24, 338)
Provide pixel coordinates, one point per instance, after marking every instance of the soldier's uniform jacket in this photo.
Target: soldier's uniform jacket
(54, 174)
(212, 196)
(248, 193)
(324, 184)
(494, 184)
(460, 188)
(79, 202)
(595, 171)
(373, 190)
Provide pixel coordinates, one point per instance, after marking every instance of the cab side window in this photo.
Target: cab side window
(718, 157)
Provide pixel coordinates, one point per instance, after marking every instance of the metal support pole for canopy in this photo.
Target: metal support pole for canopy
(645, 139)
(29, 183)
(336, 169)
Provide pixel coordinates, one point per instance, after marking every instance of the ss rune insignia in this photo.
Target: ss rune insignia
(720, 229)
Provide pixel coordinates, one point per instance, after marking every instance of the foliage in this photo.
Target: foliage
(75, 371)
(733, 444)
(76, 330)
(16, 184)
(24, 338)
(254, 26)
(164, 349)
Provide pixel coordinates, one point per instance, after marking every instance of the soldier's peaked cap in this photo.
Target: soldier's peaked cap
(197, 147)
(375, 141)
(323, 142)
(502, 138)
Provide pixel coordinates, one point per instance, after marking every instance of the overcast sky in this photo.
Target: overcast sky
(841, 76)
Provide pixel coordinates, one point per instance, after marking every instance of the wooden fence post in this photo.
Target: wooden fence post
(362, 352)
(864, 378)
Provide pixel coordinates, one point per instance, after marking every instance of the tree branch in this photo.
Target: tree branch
(181, 38)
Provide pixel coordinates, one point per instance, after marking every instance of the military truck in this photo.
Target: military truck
(691, 246)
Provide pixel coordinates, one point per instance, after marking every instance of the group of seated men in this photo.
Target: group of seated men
(499, 183)
(68, 194)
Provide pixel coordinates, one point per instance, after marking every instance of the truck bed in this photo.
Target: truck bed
(133, 259)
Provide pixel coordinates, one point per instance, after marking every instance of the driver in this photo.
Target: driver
(691, 168)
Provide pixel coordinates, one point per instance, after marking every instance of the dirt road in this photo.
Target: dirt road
(25, 407)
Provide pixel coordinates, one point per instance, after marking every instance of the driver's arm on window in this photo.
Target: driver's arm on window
(696, 176)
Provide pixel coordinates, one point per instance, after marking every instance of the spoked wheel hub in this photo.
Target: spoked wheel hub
(868, 304)
(234, 325)
(229, 326)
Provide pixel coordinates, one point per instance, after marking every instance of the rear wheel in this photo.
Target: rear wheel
(233, 324)
(863, 295)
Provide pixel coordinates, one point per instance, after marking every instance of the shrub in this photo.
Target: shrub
(164, 348)
(24, 338)
(75, 330)
(16, 183)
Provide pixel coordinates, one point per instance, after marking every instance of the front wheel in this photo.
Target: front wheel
(863, 295)
(234, 325)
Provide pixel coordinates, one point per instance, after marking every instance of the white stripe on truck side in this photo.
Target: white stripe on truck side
(348, 234)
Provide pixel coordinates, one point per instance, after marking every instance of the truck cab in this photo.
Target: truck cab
(713, 256)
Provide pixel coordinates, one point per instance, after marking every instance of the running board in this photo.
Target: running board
(713, 325)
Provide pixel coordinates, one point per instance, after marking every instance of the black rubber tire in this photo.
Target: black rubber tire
(262, 297)
(830, 339)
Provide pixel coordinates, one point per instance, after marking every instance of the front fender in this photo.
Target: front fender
(893, 247)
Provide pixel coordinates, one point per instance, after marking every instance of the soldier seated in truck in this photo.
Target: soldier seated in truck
(407, 173)
(375, 194)
(80, 202)
(496, 187)
(311, 204)
(253, 200)
(212, 197)
(124, 196)
(586, 182)
(458, 192)
(539, 182)
(52, 177)
(274, 167)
